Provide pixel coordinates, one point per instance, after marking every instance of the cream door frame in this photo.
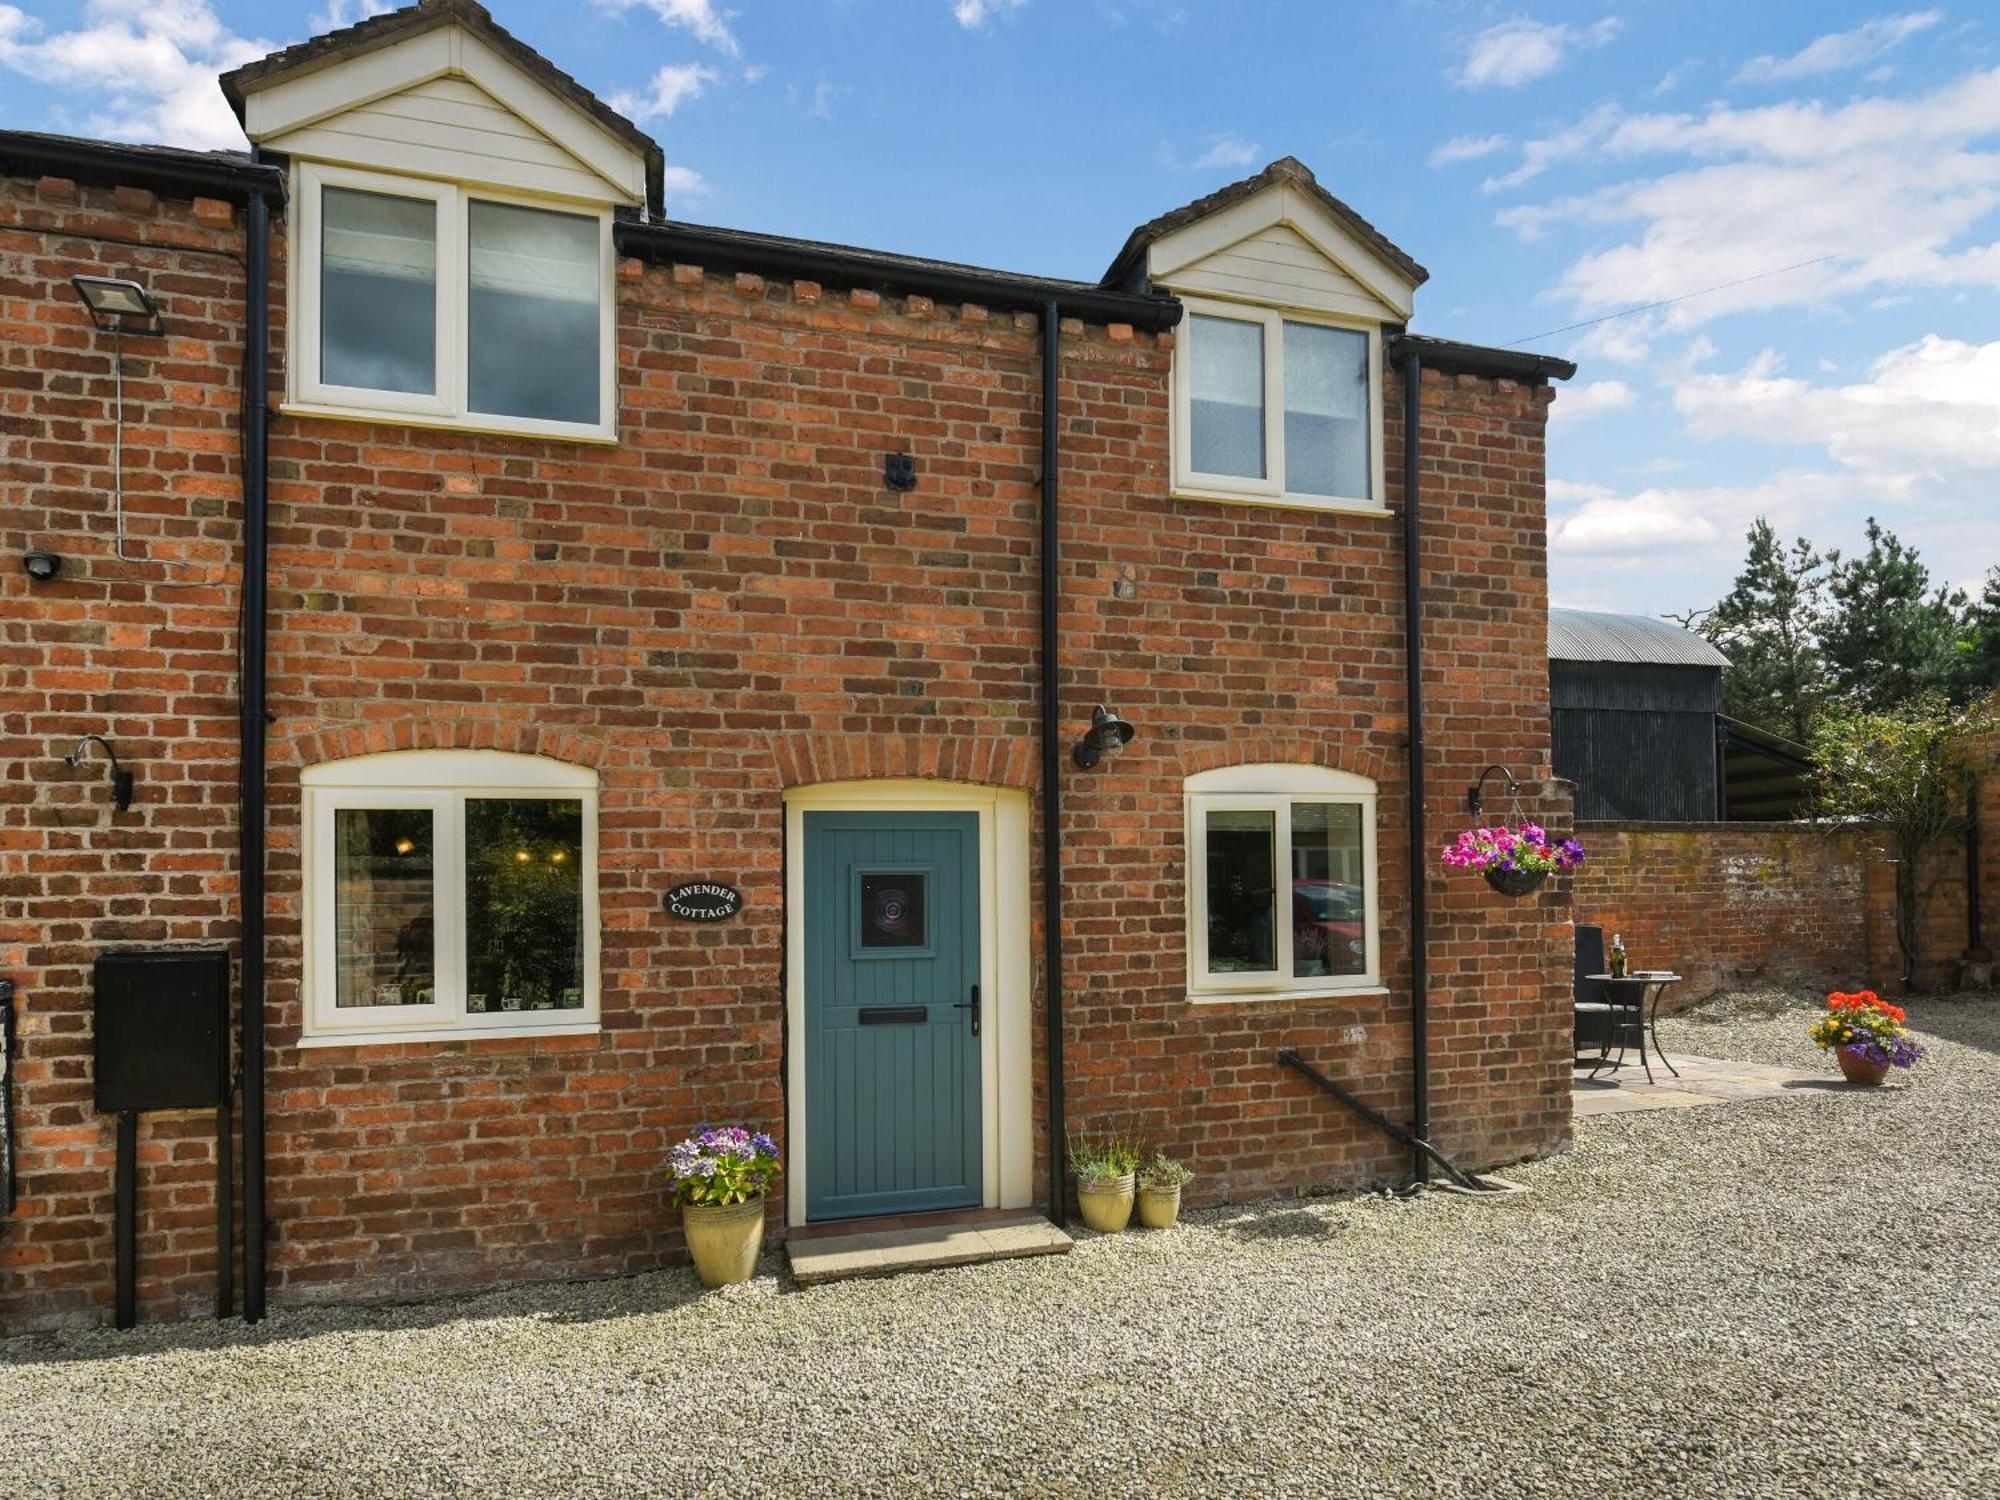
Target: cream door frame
(1006, 975)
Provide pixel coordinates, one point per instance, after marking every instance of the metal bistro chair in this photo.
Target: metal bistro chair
(1593, 1008)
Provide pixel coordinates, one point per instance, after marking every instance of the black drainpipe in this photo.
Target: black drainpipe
(256, 421)
(1052, 970)
(1413, 609)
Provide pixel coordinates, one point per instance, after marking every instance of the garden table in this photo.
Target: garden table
(1629, 996)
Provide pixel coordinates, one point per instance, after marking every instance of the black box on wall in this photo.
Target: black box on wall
(162, 1029)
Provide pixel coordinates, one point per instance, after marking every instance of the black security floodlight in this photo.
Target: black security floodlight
(118, 305)
(41, 566)
(1108, 735)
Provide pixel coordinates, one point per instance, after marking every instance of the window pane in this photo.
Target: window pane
(1242, 926)
(1329, 900)
(384, 902)
(1226, 397)
(523, 904)
(532, 313)
(1326, 412)
(378, 291)
(893, 909)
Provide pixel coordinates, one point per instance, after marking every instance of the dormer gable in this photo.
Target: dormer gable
(440, 90)
(1277, 239)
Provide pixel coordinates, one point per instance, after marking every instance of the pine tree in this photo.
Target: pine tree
(1768, 626)
(1889, 637)
(1979, 661)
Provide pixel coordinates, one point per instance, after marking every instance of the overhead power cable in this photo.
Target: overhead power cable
(1721, 286)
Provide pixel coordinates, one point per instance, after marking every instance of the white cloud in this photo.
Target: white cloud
(700, 18)
(973, 14)
(1840, 50)
(1519, 51)
(149, 67)
(1928, 409)
(1694, 522)
(1467, 148)
(1755, 191)
(671, 87)
(1225, 151)
(338, 13)
(684, 182)
(1576, 402)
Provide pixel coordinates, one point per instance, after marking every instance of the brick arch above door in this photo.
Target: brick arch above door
(1376, 763)
(975, 760)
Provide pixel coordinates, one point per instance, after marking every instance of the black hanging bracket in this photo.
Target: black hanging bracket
(1475, 799)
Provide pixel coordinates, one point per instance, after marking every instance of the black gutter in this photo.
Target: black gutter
(256, 548)
(1453, 358)
(165, 169)
(849, 266)
(1413, 619)
(1052, 950)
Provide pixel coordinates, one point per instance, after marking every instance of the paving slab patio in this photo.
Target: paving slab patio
(1702, 1080)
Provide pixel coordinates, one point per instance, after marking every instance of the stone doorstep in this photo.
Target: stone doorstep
(973, 1240)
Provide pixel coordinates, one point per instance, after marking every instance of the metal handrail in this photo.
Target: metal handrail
(1289, 1057)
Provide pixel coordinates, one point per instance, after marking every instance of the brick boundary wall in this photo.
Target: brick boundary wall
(1733, 904)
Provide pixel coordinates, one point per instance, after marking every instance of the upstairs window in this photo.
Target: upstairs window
(1281, 883)
(1277, 409)
(426, 302)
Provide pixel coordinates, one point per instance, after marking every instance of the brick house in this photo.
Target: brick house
(477, 556)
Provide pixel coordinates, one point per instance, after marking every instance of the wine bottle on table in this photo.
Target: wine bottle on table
(1618, 959)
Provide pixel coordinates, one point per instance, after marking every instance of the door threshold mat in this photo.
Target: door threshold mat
(817, 1259)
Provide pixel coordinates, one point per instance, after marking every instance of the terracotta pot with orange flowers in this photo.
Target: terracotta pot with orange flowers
(1867, 1036)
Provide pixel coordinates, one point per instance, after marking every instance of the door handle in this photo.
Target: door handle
(973, 1006)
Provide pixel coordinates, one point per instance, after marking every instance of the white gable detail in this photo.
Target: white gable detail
(446, 105)
(1280, 248)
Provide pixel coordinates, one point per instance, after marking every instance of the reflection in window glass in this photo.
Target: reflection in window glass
(378, 291)
(1326, 412)
(1329, 900)
(384, 907)
(532, 313)
(523, 904)
(1242, 926)
(1226, 397)
(893, 909)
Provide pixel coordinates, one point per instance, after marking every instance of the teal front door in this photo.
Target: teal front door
(892, 1012)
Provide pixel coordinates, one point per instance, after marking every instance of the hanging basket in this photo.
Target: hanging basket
(1515, 882)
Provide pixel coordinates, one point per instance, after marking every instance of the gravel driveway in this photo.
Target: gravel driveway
(1791, 1298)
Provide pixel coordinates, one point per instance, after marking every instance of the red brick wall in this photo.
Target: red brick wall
(1736, 904)
(726, 603)
(140, 652)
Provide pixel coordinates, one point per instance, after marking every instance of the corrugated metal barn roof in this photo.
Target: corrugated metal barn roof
(1590, 635)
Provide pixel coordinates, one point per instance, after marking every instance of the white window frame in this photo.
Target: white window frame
(443, 781)
(1276, 789)
(1270, 490)
(308, 395)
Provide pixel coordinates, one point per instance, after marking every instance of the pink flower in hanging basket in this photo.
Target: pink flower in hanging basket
(1526, 850)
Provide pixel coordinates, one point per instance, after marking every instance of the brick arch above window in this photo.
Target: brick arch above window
(380, 737)
(1374, 763)
(978, 760)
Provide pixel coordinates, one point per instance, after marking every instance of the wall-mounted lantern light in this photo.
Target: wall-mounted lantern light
(118, 305)
(121, 780)
(1108, 735)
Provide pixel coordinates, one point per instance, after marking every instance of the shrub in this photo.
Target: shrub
(723, 1165)
(1095, 1158)
(1164, 1172)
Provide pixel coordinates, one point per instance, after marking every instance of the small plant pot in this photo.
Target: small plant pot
(724, 1240)
(1106, 1203)
(1159, 1206)
(1515, 882)
(1860, 1070)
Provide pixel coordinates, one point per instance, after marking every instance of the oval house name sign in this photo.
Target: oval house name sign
(704, 901)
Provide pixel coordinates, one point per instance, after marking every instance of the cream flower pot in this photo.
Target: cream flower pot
(724, 1240)
(1159, 1206)
(1106, 1203)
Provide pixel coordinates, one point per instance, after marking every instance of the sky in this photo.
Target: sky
(1812, 189)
